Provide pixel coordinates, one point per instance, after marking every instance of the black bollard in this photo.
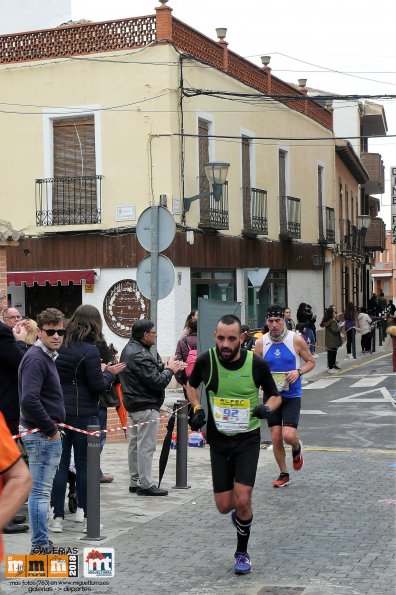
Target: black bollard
(181, 446)
(373, 337)
(93, 486)
(380, 336)
(353, 337)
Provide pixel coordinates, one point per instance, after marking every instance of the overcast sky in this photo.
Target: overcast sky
(343, 46)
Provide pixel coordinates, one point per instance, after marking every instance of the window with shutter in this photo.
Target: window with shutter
(74, 195)
(246, 192)
(204, 186)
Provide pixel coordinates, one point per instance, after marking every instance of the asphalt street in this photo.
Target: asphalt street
(331, 531)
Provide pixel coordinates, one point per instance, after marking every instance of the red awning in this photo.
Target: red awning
(51, 277)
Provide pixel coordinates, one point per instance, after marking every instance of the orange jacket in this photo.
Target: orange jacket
(9, 455)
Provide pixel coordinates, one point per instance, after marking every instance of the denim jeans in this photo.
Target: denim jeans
(44, 456)
(311, 337)
(79, 443)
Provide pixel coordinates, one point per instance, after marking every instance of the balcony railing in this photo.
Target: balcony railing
(374, 166)
(255, 220)
(351, 239)
(214, 213)
(375, 237)
(289, 218)
(69, 201)
(328, 233)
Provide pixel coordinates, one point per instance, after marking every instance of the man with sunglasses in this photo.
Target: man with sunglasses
(42, 408)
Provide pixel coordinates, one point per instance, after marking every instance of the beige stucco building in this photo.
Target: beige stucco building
(103, 119)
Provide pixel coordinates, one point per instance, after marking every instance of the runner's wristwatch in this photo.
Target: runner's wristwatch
(300, 372)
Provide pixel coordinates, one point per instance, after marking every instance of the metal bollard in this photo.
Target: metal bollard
(353, 335)
(380, 332)
(181, 447)
(373, 338)
(93, 486)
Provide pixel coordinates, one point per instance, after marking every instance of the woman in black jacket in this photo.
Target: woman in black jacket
(82, 378)
(306, 317)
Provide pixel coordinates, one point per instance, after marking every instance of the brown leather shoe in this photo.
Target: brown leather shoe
(106, 479)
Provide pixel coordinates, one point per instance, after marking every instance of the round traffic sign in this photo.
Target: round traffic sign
(166, 228)
(166, 277)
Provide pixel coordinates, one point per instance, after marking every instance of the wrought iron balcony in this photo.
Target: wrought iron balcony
(255, 220)
(328, 233)
(351, 239)
(214, 213)
(289, 218)
(69, 201)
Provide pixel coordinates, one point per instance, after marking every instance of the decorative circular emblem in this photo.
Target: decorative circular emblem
(123, 305)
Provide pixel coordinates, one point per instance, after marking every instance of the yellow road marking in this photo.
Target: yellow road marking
(374, 359)
(378, 451)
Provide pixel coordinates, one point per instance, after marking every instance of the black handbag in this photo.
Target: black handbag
(109, 398)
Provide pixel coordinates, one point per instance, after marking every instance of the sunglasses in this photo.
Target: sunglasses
(51, 331)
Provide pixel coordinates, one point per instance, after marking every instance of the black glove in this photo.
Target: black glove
(197, 420)
(262, 411)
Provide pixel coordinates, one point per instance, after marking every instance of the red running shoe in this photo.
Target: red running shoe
(298, 460)
(282, 480)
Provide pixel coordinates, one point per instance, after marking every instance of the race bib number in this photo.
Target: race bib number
(231, 415)
(280, 381)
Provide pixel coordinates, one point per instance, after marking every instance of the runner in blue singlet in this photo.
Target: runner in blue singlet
(288, 358)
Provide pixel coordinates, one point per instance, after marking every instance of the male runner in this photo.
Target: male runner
(288, 358)
(232, 377)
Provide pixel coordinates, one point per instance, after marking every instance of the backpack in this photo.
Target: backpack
(191, 357)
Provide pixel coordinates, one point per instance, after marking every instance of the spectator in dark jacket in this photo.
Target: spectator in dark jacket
(349, 327)
(333, 338)
(12, 349)
(305, 316)
(42, 407)
(82, 378)
(143, 386)
(107, 355)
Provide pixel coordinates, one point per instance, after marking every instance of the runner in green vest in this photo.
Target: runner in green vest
(232, 377)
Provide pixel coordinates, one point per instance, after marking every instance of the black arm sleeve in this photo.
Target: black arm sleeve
(201, 370)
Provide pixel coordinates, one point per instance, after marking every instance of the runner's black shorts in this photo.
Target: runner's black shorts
(288, 414)
(237, 464)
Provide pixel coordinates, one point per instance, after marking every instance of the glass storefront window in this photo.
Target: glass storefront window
(215, 285)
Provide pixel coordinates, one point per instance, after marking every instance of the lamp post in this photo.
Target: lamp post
(216, 172)
(364, 223)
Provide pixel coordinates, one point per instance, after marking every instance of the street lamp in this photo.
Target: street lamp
(216, 172)
(364, 221)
